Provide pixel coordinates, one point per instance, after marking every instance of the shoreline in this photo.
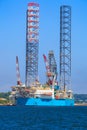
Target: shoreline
(80, 104)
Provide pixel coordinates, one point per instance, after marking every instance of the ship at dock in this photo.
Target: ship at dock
(51, 93)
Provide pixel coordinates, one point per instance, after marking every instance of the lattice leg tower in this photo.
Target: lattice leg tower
(65, 47)
(32, 43)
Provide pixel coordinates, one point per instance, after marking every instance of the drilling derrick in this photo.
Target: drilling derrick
(65, 47)
(51, 67)
(32, 42)
(52, 63)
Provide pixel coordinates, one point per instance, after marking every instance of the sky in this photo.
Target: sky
(13, 40)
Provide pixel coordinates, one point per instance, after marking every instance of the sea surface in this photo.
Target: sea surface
(43, 118)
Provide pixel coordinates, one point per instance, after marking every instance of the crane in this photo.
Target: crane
(49, 74)
(18, 72)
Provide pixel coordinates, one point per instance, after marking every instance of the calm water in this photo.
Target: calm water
(43, 118)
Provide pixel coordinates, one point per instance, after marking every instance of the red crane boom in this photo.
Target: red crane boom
(18, 72)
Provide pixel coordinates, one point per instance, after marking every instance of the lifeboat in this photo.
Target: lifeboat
(56, 97)
(27, 90)
(47, 94)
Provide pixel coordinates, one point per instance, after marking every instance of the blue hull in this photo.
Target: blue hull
(44, 102)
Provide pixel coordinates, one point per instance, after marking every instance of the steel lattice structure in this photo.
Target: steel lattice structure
(52, 63)
(32, 43)
(65, 47)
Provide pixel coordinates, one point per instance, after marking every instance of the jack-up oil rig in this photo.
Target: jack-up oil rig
(52, 93)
